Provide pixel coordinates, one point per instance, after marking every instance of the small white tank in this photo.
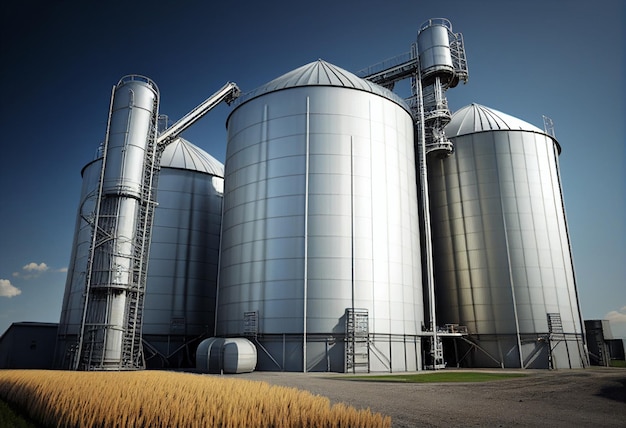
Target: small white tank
(232, 355)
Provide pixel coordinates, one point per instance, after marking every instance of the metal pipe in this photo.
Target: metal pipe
(430, 278)
(306, 233)
(583, 335)
(512, 285)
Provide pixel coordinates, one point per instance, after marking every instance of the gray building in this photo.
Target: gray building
(28, 345)
(603, 346)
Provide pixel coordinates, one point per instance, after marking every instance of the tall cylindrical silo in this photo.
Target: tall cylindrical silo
(320, 254)
(110, 337)
(182, 273)
(503, 265)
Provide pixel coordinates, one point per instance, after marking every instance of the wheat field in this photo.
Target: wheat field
(167, 399)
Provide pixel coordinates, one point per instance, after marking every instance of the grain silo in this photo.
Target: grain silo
(503, 265)
(182, 274)
(320, 252)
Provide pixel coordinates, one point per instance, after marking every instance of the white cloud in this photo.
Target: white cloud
(34, 267)
(618, 316)
(7, 289)
(32, 270)
(62, 270)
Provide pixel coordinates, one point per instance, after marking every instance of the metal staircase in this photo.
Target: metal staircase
(357, 355)
(555, 326)
(556, 335)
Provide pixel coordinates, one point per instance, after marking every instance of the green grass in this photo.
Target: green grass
(10, 418)
(433, 377)
(618, 363)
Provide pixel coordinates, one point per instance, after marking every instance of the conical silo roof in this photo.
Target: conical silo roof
(184, 155)
(321, 73)
(478, 118)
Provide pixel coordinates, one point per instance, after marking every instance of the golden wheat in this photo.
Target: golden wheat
(167, 399)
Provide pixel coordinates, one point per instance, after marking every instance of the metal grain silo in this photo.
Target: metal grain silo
(182, 274)
(320, 252)
(503, 265)
(179, 307)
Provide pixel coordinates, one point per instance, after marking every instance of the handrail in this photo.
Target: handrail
(436, 21)
(138, 78)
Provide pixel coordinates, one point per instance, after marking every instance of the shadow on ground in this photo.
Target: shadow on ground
(616, 391)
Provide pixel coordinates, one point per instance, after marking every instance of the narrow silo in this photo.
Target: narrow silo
(182, 273)
(503, 265)
(320, 253)
(110, 337)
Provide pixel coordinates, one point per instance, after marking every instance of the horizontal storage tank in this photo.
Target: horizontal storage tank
(219, 355)
(320, 252)
(502, 259)
(182, 272)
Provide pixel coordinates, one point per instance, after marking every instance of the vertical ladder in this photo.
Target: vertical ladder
(459, 60)
(548, 126)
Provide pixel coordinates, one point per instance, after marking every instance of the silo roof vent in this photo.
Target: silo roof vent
(184, 155)
(321, 73)
(478, 118)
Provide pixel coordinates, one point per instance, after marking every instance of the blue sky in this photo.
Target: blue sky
(59, 60)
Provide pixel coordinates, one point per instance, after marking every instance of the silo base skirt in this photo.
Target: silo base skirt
(338, 353)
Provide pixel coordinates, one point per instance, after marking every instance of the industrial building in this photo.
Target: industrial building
(348, 230)
(603, 346)
(28, 345)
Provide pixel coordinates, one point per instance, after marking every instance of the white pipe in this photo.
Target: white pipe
(306, 237)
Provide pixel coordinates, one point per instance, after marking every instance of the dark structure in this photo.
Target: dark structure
(28, 345)
(603, 347)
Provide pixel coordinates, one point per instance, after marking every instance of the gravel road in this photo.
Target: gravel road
(594, 397)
